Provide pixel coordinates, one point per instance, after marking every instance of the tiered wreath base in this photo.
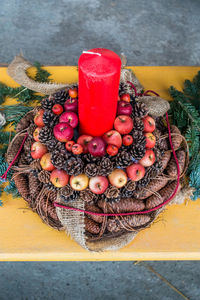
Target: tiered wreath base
(94, 232)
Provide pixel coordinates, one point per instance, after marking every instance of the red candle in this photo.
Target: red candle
(99, 76)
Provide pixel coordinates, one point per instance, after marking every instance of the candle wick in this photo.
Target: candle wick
(90, 52)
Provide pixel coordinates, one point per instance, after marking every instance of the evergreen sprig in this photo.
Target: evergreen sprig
(185, 113)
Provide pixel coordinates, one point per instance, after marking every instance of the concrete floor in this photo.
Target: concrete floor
(156, 32)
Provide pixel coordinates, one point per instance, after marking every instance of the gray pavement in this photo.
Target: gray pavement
(54, 32)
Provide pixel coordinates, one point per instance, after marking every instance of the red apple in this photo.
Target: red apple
(73, 92)
(38, 119)
(63, 132)
(77, 149)
(113, 137)
(84, 140)
(98, 184)
(127, 140)
(36, 134)
(57, 109)
(148, 159)
(112, 150)
(69, 117)
(150, 140)
(135, 172)
(59, 178)
(149, 124)
(124, 108)
(118, 178)
(38, 150)
(69, 145)
(46, 163)
(71, 105)
(97, 147)
(125, 97)
(123, 124)
(79, 182)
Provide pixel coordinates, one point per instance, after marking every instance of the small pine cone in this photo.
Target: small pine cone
(44, 176)
(143, 182)
(156, 168)
(61, 147)
(35, 164)
(87, 196)
(28, 144)
(31, 129)
(123, 159)
(138, 124)
(112, 192)
(136, 134)
(140, 110)
(105, 166)
(66, 191)
(88, 158)
(91, 226)
(74, 196)
(58, 159)
(162, 144)
(130, 186)
(49, 119)
(51, 144)
(160, 125)
(74, 166)
(138, 152)
(158, 153)
(47, 103)
(124, 193)
(45, 135)
(91, 170)
(60, 97)
(29, 157)
(50, 187)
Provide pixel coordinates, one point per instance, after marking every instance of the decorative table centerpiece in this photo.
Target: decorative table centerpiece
(98, 158)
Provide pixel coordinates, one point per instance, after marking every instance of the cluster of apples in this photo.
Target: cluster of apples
(109, 143)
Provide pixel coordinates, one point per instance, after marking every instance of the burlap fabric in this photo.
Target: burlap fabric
(33, 191)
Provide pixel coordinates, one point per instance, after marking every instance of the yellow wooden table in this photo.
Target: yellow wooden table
(174, 236)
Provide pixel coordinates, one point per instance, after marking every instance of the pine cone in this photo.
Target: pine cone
(66, 191)
(136, 134)
(123, 159)
(50, 187)
(35, 164)
(87, 196)
(49, 119)
(60, 97)
(130, 186)
(29, 157)
(58, 158)
(45, 135)
(138, 152)
(74, 196)
(124, 193)
(160, 125)
(136, 221)
(88, 158)
(139, 110)
(105, 166)
(74, 166)
(112, 194)
(138, 124)
(51, 144)
(31, 129)
(91, 226)
(44, 176)
(47, 103)
(91, 170)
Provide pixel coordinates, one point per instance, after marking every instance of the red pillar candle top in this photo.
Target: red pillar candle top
(99, 76)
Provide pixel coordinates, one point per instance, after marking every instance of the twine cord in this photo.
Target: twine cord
(136, 212)
(4, 176)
